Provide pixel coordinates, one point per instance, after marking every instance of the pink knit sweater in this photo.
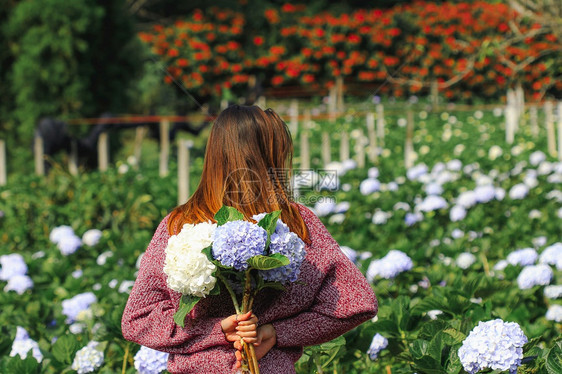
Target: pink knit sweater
(331, 297)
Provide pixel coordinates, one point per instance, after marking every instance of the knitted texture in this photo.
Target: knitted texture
(330, 298)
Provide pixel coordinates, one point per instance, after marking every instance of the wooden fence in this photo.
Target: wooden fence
(299, 121)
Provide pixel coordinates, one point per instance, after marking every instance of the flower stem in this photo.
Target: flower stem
(231, 292)
(125, 358)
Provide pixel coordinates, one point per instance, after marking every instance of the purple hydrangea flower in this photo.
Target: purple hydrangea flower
(12, 265)
(150, 361)
(493, 344)
(73, 306)
(287, 243)
(236, 242)
(537, 275)
(523, 257)
(378, 343)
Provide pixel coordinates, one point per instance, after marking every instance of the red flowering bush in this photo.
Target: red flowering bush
(473, 48)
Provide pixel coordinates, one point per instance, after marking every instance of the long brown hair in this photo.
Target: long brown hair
(248, 165)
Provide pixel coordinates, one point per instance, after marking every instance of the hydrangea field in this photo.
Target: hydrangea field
(464, 252)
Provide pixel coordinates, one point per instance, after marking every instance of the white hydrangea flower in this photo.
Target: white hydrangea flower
(88, 359)
(23, 344)
(553, 292)
(91, 237)
(523, 257)
(554, 313)
(465, 260)
(188, 270)
(536, 275)
(493, 344)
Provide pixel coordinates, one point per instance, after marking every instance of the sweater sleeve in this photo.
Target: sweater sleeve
(148, 315)
(344, 299)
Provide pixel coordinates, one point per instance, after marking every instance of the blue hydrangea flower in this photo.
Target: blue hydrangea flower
(523, 257)
(60, 232)
(19, 283)
(394, 263)
(236, 242)
(12, 264)
(493, 344)
(378, 343)
(69, 244)
(431, 203)
(552, 255)
(150, 361)
(88, 359)
(369, 185)
(287, 243)
(23, 344)
(457, 213)
(553, 292)
(537, 275)
(485, 193)
(73, 306)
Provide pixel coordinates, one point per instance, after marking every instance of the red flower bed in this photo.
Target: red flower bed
(469, 48)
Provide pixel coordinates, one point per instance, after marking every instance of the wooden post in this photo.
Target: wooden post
(534, 118)
(380, 123)
(434, 94)
(183, 170)
(510, 120)
(305, 154)
(332, 102)
(372, 137)
(326, 151)
(103, 152)
(360, 144)
(559, 131)
(3, 168)
(294, 114)
(164, 146)
(549, 122)
(38, 152)
(409, 145)
(139, 136)
(73, 158)
(339, 94)
(344, 146)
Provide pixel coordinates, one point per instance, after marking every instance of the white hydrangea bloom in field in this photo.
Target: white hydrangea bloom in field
(465, 260)
(12, 265)
(495, 344)
(518, 192)
(554, 313)
(188, 270)
(88, 359)
(394, 263)
(369, 185)
(23, 344)
(19, 284)
(552, 255)
(523, 257)
(553, 292)
(536, 275)
(91, 237)
(378, 343)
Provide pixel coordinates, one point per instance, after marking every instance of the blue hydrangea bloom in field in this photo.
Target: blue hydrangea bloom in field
(369, 185)
(23, 344)
(65, 239)
(60, 232)
(394, 263)
(537, 275)
(19, 284)
(287, 243)
(523, 257)
(552, 255)
(12, 264)
(378, 343)
(150, 361)
(495, 344)
(73, 306)
(88, 359)
(553, 292)
(431, 203)
(236, 242)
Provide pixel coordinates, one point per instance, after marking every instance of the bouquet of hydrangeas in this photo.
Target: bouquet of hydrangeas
(237, 253)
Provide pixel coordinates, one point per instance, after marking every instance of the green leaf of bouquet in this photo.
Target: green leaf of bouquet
(216, 290)
(207, 251)
(65, 348)
(187, 302)
(226, 214)
(269, 223)
(273, 261)
(554, 359)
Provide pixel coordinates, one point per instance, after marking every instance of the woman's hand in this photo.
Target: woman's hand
(237, 327)
(265, 339)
